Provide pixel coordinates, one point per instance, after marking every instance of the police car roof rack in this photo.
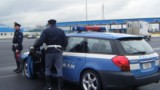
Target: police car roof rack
(80, 29)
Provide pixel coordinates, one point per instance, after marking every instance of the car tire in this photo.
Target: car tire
(27, 72)
(90, 80)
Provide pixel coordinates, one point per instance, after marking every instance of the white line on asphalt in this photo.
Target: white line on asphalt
(8, 64)
(6, 76)
(156, 48)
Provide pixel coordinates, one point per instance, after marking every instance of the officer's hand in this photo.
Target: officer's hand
(17, 51)
(31, 47)
(32, 50)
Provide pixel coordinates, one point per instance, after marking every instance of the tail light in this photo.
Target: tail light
(122, 62)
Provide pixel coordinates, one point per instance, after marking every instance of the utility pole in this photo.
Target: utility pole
(86, 10)
(103, 17)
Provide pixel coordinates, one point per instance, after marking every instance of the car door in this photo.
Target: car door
(100, 54)
(74, 58)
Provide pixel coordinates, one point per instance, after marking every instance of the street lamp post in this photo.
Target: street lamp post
(102, 11)
(86, 10)
(103, 17)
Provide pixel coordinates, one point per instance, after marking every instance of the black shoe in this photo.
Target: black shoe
(15, 70)
(18, 67)
(18, 71)
(47, 88)
(48, 83)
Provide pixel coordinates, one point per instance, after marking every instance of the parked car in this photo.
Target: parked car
(98, 61)
(31, 37)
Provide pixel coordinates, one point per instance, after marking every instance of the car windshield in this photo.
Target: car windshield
(136, 47)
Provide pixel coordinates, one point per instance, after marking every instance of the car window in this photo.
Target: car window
(136, 46)
(99, 46)
(75, 44)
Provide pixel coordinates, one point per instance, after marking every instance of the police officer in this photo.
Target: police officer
(55, 40)
(17, 46)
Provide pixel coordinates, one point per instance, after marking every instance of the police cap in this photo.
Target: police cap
(52, 21)
(16, 24)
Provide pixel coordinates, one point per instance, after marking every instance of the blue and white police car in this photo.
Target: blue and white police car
(100, 60)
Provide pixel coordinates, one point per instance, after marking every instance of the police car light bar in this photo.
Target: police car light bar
(89, 28)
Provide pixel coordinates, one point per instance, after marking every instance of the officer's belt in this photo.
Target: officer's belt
(54, 46)
(15, 44)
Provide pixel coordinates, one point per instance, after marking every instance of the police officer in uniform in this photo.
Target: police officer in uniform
(17, 46)
(55, 40)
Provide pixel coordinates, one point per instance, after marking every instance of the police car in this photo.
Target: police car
(100, 60)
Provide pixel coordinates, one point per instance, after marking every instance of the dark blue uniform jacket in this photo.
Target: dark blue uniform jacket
(18, 39)
(52, 36)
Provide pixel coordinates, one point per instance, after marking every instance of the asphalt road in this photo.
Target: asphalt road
(12, 81)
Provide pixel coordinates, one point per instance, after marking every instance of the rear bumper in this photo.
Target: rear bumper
(125, 79)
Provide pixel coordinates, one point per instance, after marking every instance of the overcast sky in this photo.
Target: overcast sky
(36, 12)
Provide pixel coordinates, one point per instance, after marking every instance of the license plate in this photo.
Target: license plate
(147, 65)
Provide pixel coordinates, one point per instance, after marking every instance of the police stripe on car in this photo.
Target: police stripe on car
(134, 60)
(100, 56)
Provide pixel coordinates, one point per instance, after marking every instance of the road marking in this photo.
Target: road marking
(156, 48)
(7, 76)
(8, 64)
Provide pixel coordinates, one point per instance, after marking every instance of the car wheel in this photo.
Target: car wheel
(27, 71)
(90, 81)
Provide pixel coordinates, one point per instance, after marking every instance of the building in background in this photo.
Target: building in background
(6, 32)
(113, 25)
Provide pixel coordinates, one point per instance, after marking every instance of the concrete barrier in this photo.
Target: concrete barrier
(155, 35)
